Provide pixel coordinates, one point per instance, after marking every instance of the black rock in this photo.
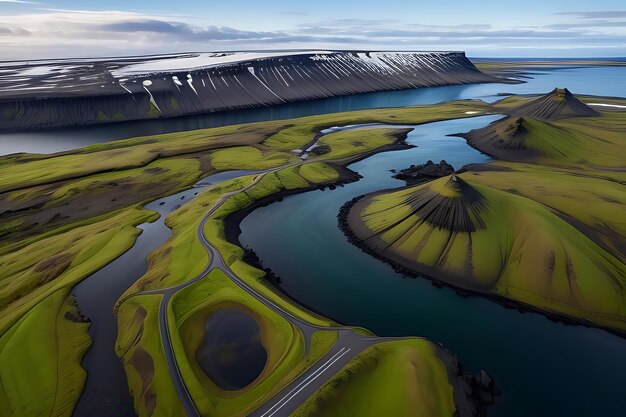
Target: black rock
(429, 170)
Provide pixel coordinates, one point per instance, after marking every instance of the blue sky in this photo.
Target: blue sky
(483, 28)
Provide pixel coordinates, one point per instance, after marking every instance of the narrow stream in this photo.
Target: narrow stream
(544, 368)
(106, 389)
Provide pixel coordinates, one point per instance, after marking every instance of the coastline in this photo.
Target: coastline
(417, 272)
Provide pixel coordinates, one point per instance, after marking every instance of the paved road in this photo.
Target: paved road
(349, 343)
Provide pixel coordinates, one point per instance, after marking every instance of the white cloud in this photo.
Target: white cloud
(61, 33)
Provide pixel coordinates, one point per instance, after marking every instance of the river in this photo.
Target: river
(602, 81)
(544, 368)
(106, 390)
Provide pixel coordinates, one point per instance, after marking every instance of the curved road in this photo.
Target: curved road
(349, 343)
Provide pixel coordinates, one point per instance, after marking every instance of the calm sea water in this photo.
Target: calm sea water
(602, 81)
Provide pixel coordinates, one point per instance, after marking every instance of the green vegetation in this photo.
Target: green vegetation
(40, 360)
(587, 199)
(43, 339)
(41, 267)
(546, 234)
(192, 307)
(345, 143)
(321, 341)
(39, 209)
(401, 378)
(248, 157)
(140, 348)
(68, 214)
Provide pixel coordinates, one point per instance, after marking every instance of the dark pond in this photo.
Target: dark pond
(231, 353)
(106, 391)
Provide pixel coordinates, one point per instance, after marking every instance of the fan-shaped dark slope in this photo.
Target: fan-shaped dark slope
(487, 240)
(504, 139)
(558, 104)
(456, 206)
(588, 141)
(447, 204)
(522, 139)
(73, 93)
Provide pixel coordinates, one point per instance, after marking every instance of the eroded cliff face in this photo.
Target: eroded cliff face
(54, 94)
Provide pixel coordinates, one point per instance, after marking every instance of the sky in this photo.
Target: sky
(482, 28)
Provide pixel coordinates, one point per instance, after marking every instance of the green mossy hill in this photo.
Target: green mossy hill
(582, 141)
(399, 378)
(504, 245)
(524, 138)
(452, 205)
(560, 103)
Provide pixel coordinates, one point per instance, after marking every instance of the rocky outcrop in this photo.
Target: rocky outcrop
(473, 394)
(65, 93)
(424, 172)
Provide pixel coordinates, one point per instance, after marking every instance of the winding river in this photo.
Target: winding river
(106, 390)
(543, 368)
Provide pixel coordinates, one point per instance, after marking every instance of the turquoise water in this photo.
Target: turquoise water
(544, 368)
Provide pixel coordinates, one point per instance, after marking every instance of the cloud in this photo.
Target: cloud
(597, 14)
(187, 31)
(59, 33)
(19, 1)
(13, 31)
(599, 24)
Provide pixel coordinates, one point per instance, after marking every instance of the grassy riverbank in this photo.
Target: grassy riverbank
(400, 378)
(64, 216)
(543, 230)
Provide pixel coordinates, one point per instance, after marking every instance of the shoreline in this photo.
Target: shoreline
(344, 226)
(163, 96)
(232, 231)
(473, 394)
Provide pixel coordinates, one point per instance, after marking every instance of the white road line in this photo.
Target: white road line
(318, 370)
(304, 383)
